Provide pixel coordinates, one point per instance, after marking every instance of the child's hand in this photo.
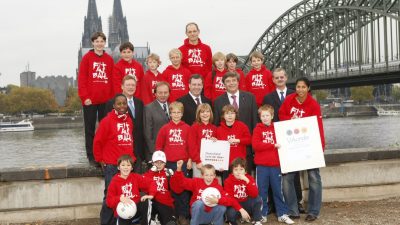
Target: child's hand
(278, 146)
(233, 141)
(125, 200)
(199, 165)
(179, 165)
(213, 139)
(145, 197)
(189, 164)
(244, 178)
(245, 215)
(88, 102)
(212, 199)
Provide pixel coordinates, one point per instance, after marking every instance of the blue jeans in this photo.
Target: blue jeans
(267, 176)
(200, 216)
(314, 193)
(181, 200)
(107, 214)
(251, 205)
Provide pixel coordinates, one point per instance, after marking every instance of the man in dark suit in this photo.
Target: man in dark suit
(156, 115)
(193, 98)
(244, 101)
(275, 99)
(135, 110)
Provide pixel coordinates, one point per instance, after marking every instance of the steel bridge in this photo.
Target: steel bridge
(335, 43)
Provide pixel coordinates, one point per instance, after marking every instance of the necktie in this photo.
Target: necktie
(282, 97)
(131, 107)
(197, 101)
(165, 109)
(235, 104)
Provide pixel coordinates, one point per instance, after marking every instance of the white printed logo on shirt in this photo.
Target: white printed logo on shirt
(207, 133)
(124, 133)
(195, 56)
(175, 136)
(298, 113)
(177, 83)
(239, 191)
(131, 72)
(232, 137)
(219, 84)
(268, 137)
(257, 82)
(160, 183)
(127, 190)
(100, 71)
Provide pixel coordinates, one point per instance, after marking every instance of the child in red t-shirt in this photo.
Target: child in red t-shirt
(213, 85)
(150, 79)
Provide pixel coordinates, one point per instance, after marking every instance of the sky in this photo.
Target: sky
(45, 35)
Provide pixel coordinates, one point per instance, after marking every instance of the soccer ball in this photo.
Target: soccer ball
(126, 211)
(208, 192)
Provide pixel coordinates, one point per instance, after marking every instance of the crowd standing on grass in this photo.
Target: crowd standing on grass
(151, 125)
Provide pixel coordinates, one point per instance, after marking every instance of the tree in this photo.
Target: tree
(30, 100)
(361, 94)
(320, 94)
(73, 102)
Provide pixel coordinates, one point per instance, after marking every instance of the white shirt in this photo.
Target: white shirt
(231, 99)
(194, 98)
(279, 92)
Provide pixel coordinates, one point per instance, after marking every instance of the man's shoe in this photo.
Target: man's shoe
(294, 217)
(301, 209)
(263, 219)
(310, 218)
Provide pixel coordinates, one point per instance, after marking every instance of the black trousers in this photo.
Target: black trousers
(91, 113)
(141, 215)
(166, 214)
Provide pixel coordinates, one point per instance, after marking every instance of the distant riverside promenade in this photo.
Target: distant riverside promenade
(74, 192)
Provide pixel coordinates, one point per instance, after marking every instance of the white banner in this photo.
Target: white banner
(215, 153)
(301, 147)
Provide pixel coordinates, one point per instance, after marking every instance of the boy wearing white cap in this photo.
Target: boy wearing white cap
(163, 203)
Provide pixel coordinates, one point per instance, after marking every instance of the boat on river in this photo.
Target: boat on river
(24, 125)
(382, 112)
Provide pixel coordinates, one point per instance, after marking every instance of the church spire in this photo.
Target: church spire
(92, 24)
(118, 29)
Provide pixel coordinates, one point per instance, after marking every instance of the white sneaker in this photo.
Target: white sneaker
(285, 219)
(263, 219)
(258, 223)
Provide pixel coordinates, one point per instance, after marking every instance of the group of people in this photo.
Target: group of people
(161, 118)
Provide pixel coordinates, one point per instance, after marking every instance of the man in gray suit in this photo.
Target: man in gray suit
(244, 101)
(156, 115)
(275, 99)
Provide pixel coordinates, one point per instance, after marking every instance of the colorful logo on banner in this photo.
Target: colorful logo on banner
(297, 131)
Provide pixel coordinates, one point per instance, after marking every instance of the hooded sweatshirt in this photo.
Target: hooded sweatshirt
(239, 189)
(239, 130)
(173, 140)
(163, 194)
(95, 78)
(113, 138)
(197, 132)
(260, 83)
(123, 68)
(310, 107)
(197, 58)
(128, 187)
(178, 80)
(198, 185)
(148, 85)
(214, 87)
(263, 143)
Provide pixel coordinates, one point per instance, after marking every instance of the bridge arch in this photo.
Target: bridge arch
(330, 38)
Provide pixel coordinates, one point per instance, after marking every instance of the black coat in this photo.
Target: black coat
(190, 106)
(274, 100)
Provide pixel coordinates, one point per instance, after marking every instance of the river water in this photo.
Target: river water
(66, 146)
